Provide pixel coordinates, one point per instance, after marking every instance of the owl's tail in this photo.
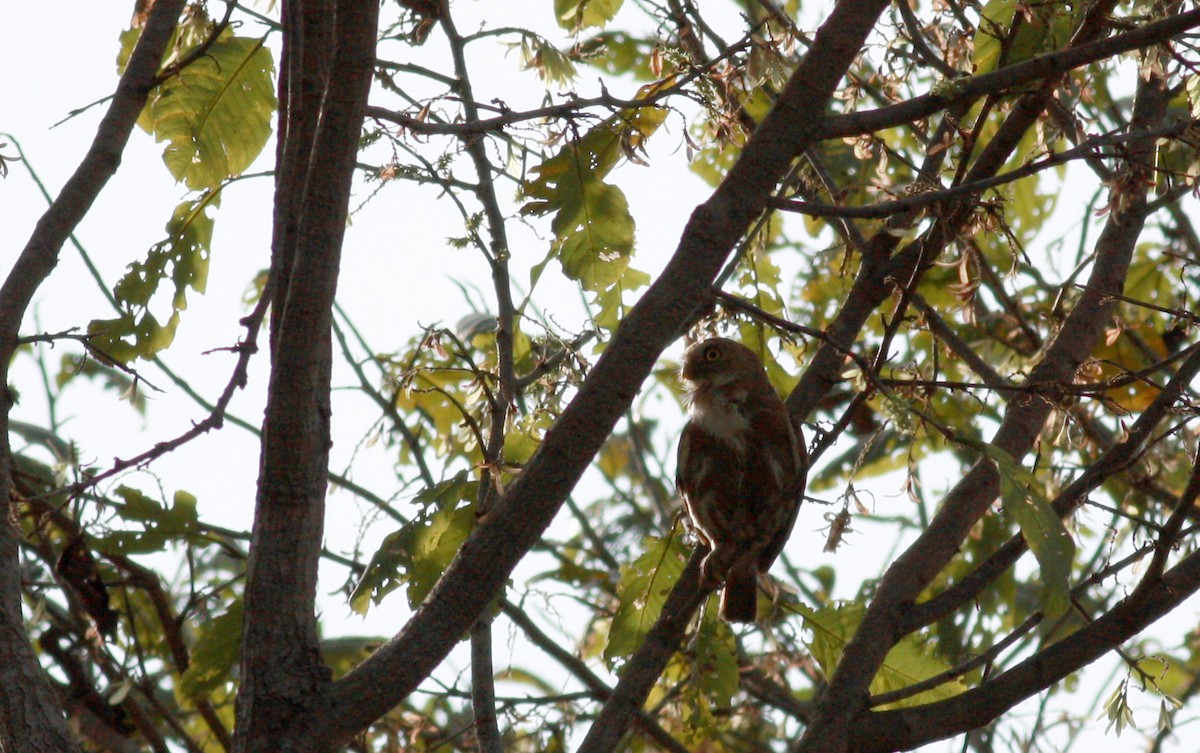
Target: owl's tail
(739, 601)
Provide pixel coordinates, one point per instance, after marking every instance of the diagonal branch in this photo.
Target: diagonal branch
(29, 716)
(905, 729)
(1087, 149)
(489, 554)
(1047, 66)
(971, 497)
(1113, 461)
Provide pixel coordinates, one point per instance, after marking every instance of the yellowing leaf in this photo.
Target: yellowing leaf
(645, 584)
(575, 15)
(593, 228)
(909, 662)
(216, 112)
(420, 551)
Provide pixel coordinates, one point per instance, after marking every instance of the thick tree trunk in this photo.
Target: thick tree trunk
(328, 56)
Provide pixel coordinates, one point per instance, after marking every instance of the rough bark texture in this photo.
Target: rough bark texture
(31, 719)
(493, 549)
(844, 700)
(904, 729)
(287, 701)
(321, 115)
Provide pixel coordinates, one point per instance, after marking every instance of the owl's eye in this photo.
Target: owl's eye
(712, 354)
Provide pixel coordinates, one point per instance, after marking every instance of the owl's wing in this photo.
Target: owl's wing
(708, 475)
(789, 501)
(775, 479)
(683, 471)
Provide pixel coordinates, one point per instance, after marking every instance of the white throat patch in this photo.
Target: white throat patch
(720, 418)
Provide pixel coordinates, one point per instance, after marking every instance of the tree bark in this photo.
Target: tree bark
(531, 501)
(31, 719)
(328, 60)
(844, 699)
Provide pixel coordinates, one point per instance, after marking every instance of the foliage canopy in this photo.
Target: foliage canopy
(960, 234)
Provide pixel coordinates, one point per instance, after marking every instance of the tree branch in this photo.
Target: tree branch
(914, 569)
(904, 729)
(1116, 459)
(1087, 149)
(282, 669)
(492, 550)
(1042, 67)
(29, 717)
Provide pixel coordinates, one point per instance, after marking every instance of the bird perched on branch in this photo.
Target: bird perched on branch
(741, 470)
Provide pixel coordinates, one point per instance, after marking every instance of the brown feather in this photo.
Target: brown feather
(740, 470)
(739, 600)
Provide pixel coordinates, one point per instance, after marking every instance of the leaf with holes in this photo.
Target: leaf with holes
(645, 584)
(418, 553)
(216, 112)
(182, 258)
(593, 228)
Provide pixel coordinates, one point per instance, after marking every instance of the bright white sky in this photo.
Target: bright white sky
(397, 275)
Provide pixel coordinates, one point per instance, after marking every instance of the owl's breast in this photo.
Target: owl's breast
(721, 419)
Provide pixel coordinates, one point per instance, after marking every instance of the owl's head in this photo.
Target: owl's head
(718, 361)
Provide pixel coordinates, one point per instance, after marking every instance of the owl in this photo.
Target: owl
(741, 470)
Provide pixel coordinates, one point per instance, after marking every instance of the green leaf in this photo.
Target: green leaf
(216, 653)
(344, 653)
(899, 411)
(612, 301)
(716, 662)
(910, 661)
(384, 574)
(644, 586)
(138, 506)
(420, 551)
(1041, 527)
(216, 112)
(595, 235)
(1043, 27)
(575, 15)
(183, 509)
(528, 677)
(152, 525)
(525, 436)
(705, 678)
(593, 228)
(619, 53)
(181, 258)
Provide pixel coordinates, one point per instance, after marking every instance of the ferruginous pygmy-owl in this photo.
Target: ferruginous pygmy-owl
(741, 470)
